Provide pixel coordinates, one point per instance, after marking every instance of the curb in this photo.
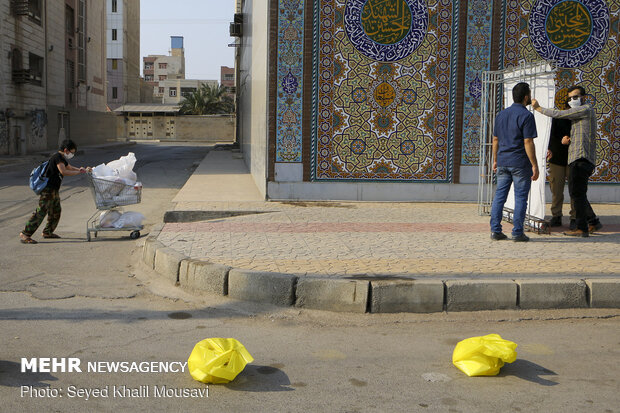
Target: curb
(377, 296)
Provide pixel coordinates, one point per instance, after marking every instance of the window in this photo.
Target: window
(114, 34)
(114, 93)
(163, 65)
(36, 69)
(69, 20)
(186, 91)
(229, 77)
(162, 77)
(114, 64)
(81, 41)
(114, 6)
(70, 74)
(148, 78)
(173, 91)
(161, 90)
(35, 9)
(148, 66)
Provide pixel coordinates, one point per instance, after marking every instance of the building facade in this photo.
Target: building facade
(227, 79)
(122, 51)
(54, 76)
(159, 68)
(380, 99)
(175, 90)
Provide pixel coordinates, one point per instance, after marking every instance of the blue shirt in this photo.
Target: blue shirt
(512, 126)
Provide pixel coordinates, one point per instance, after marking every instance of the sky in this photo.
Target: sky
(202, 23)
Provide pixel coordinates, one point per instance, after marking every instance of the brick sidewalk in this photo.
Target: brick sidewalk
(389, 239)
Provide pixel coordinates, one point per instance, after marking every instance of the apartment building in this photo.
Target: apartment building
(160, 68)
(123, 52)
(227, 79)
(54, 74)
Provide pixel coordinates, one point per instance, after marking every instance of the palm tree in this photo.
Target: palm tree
(207, 100)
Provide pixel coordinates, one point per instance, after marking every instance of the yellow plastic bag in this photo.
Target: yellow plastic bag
(483, 356)
(218, 360)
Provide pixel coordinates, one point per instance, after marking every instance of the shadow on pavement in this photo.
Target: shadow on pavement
(11, 376)
(529, 371)
(261, 379)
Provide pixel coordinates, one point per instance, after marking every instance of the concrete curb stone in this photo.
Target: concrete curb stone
(552, 293)
(475, 295)
(151, 245)
(604, 293)
(332, 294)
(168, 262)
(272, 288)
(204, 276)
(419, 296)
(381, 296)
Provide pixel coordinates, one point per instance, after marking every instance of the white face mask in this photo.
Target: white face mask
(574, 103)
(68, 155)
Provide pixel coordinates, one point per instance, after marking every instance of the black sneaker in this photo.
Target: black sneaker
(595, 227)
(555, 222)
(521, 238)
(572, 225)
(498, 236)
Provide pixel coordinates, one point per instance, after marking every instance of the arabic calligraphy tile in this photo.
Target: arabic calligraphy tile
(386, 30)
(570, 33)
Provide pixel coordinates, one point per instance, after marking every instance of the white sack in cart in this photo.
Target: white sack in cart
(108, 218)
(129, 219)
(120, 170)
(123, 167)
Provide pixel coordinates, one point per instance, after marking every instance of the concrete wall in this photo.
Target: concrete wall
(207, 128)
(85, 127)
(253, 90)
(210, 128)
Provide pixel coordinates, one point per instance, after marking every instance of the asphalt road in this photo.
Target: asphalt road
(96, 302)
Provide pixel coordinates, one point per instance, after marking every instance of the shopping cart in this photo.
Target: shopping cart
(108, 195)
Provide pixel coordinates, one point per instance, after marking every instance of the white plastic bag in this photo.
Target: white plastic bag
(102, 170)
(123, 167)
(108, 218)
(129, 219)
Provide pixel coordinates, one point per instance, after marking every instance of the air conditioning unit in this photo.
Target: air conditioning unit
(236, 29)
(20, 76)
(20, 7)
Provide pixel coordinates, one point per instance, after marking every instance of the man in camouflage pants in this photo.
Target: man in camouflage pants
(49, 201)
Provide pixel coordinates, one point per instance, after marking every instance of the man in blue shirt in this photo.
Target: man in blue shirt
(514, 161)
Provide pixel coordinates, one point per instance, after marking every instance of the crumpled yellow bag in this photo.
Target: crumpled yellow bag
(218, 360)
(484, 355)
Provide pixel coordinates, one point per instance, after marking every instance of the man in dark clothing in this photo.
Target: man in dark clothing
(558, 169)
(581, 156)
(49, 201)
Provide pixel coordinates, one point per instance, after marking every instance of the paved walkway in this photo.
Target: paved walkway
(437, 240)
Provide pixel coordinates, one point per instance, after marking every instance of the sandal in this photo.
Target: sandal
(51, 236)
(26, 240)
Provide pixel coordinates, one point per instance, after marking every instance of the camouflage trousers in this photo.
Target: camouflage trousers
(49, 204)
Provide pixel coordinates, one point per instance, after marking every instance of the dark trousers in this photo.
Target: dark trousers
(579, 172)
(49, 204)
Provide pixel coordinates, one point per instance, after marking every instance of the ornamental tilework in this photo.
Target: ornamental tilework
(584, 60)
(384, 84)
(290, 80)
(477, 60)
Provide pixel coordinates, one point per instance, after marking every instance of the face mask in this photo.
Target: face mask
(574, 103)
(68, 155)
